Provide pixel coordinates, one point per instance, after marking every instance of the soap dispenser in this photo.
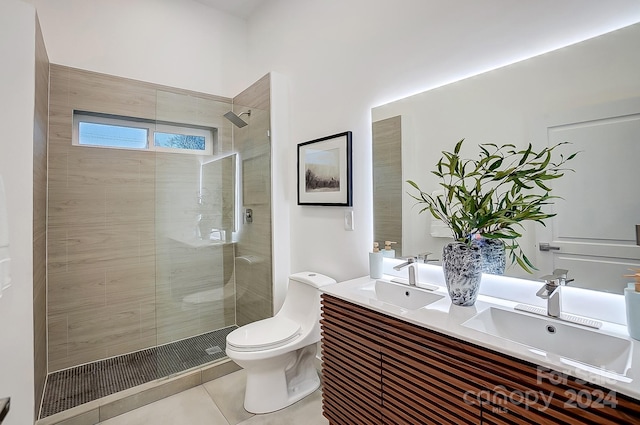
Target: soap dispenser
(632, 301)
(375, 262)
(388, 251)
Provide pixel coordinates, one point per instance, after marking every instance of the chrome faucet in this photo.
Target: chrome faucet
(562, 274)
(424, 258)
(411, 263)
(550, 291)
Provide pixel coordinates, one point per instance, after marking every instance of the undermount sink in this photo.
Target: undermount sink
(568, 344)
(405, 296)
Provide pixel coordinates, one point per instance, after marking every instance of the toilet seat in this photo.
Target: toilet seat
(264, 334)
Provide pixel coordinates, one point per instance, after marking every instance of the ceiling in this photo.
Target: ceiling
(239, 8)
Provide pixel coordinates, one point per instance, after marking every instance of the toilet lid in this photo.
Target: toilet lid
(264, 334)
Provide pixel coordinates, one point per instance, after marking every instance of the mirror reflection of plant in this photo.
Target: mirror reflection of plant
(492, 195)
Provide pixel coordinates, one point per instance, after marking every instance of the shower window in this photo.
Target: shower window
(110, 131)
(171, 136)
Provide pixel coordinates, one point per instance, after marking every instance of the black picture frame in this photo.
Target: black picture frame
(324, 171)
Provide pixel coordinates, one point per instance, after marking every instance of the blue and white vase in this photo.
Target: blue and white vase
(462, 266)
(493, 255)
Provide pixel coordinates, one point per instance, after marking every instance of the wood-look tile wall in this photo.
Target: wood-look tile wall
(40, 129)
(108, 294)
(253, 257)
(387, 182)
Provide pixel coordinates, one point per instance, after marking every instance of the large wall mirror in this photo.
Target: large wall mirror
(587, 94)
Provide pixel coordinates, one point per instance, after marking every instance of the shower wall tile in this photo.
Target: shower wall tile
(257, 95)
(58, 86)
(76, 291)
(40, 134)
(81, 356)
(176, 322)
(187, 277)
(224, 141)
(129, 205)
(57, 171)
(198, 109)
(89, 91)
(135, 282)
(252, 307)
(132, 338)
(60, 126)
(89, 247)
(148, 321)
(147, 173)
(202, 110)
(101, 167)
(229, 289)
(110, 214)
(254, 285)
(131, 346)
(209, 315)
(58, 341)
(147, 234)
(56, 250)
(87, 332)
(255, 180)
(77, 207)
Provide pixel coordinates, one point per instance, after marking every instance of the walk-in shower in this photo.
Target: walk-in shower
(149, 262)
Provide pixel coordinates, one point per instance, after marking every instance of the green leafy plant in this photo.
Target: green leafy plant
(494, 194)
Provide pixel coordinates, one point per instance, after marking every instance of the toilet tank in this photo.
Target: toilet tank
(302, 302)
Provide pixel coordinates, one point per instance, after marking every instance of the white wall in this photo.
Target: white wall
(178, 43)
(280, 195)
(17, 85)
(345, 57)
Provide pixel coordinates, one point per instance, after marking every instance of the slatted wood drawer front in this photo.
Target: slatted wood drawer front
(378, 369)
(475, 375)
(351, 366)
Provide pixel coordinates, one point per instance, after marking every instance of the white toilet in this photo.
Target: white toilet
(278, 353)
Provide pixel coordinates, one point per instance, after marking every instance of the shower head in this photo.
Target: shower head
(239, 122)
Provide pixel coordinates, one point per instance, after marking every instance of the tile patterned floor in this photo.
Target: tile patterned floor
(75, 386)
(219, 402)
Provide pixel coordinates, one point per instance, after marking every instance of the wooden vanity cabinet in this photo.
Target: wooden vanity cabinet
(380, 370)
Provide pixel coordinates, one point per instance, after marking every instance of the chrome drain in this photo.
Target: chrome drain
(213, 350)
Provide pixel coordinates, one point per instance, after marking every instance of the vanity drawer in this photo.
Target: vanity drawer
(379, 369)
(351, 368)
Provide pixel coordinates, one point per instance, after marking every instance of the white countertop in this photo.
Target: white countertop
(444, 317)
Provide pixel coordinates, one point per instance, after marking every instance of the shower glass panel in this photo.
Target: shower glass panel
(195, 228)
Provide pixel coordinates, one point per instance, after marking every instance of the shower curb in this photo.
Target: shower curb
(116, 404)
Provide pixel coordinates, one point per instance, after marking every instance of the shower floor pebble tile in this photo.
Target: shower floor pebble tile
(219, 402)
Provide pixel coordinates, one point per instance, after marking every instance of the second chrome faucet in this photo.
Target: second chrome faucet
(550, 291)
(411, 263)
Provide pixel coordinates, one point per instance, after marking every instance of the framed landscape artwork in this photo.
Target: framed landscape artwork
(324, 171)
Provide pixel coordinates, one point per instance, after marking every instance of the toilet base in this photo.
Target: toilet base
(278, 382)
